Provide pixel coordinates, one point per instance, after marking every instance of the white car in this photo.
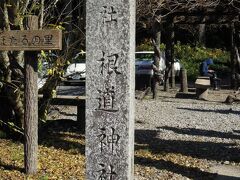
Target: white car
(76, 72)
(144, 70)
(144, 61)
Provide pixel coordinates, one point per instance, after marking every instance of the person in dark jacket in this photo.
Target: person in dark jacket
(205, 71)
(204, 68)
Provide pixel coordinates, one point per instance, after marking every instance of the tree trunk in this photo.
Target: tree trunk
(68, 10)
(169, 53)
(16, 65)
(157, 54)
(202, 34)
(47, 90)
(41, 15)
(233, 58)
(12, 91)
(237, 49)
(173, 82)
(31, 105)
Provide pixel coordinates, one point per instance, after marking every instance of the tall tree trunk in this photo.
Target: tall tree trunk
(169, 53)
(237, 47)
(47, 90)
(172, 37)
(233, 58)
(41, 15)
(157, 54)
(16, 65)
(202, 34)
(68, 37)
(9, 68)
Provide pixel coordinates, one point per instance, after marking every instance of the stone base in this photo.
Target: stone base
(202, 94)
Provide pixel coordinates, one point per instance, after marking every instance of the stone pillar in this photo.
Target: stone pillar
(110, 85)
(184, 81)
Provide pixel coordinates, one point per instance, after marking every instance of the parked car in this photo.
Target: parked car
(76, 71)
(144, 61)
(144, 70)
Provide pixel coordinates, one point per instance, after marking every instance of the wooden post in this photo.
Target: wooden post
(31, 40)
(31, 104)
(184, 82)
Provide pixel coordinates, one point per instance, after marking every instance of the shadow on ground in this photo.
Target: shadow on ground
(203, 150)
(229, 111)
(202, 132)
(149, 140)
(11, 167)
(57, 134)
(190, 172)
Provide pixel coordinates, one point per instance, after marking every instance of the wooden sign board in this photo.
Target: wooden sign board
(30, 40)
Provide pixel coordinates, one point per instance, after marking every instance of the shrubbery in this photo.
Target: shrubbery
(191, 57)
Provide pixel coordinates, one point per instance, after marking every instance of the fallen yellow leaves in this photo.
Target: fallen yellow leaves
(54, 163)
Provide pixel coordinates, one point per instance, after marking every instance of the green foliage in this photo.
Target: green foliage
(191, 57)
(59, 26)
(54, 64)
(148, 46)
(145, 46)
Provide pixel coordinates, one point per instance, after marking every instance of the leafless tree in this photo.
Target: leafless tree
(153, 14)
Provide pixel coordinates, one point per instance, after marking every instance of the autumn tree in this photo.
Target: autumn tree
(67, 15)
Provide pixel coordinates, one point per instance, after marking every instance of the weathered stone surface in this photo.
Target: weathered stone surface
(110, 81)
(202, 82)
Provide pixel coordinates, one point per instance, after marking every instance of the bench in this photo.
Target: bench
(78, 101)
(202, 84)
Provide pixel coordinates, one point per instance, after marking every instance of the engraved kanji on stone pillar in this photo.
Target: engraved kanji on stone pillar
(110, 85)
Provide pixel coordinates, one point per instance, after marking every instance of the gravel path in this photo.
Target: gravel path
(198, 133)
(181, 138)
